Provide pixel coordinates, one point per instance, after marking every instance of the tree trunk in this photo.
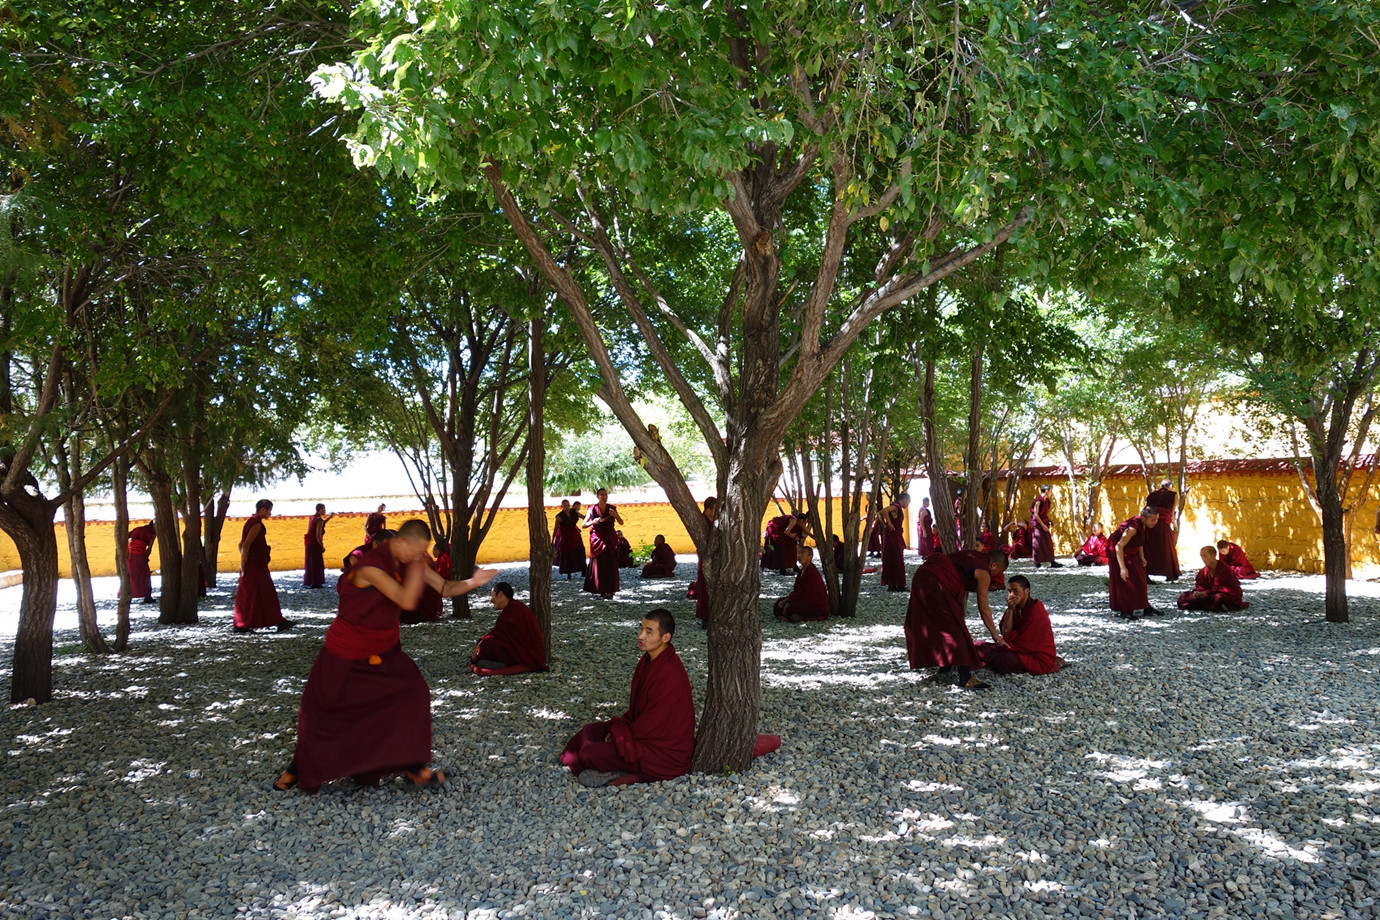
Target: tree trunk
(119, 489)
(169, 548)
(28, 520)
(972, 458)
(941, 501)
(189, 593)
(463, 556)
(1334, 539)
(74, 515)
(214, 516)
(538, 530)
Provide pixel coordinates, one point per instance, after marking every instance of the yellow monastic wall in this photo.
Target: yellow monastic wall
(1265, 512)
(507, 540)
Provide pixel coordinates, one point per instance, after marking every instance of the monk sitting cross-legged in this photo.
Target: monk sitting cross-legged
(1235, 557)
(1216, 587)
(655, 738)
(515, 641)
(366, 709)
(809, 598)
(1029, 638)
(936, 629)
(663, 564)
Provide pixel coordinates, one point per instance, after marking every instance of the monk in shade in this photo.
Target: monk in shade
(1019, 547)
(1161, 543)
(625, 553)
(515, 640)
(809, 598)
(1029, 638)
(314, 544)
(256, 597)
(1127, 586)
(366, 709)
(1042, 531)
(780, 541)
(663, 564)
(655, 738)
(1094, 549)
(601, 522)
(894, 543)
(137, 552)
(1235, 557)
(924, 529)
(1216, 588)
(936, 629)
(570, 543)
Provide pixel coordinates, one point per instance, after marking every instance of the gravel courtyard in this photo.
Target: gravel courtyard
(1194, 765)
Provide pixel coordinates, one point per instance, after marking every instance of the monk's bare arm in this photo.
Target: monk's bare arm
(249, 538)
(1121, 552)
(984, 581)
(405, 593)
(447, 588)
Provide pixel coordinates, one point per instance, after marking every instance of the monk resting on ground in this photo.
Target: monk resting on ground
(1029, 638)
(663, 564)
(1094, 549)
(1235, 557)
(656, 736)
(1216, 587)
(515, 640)
(809, 598)
(366, 709)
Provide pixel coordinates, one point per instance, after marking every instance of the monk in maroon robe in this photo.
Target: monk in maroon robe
(1216, 588)
(987, 541)
(936, 629)
(256, 598)
(894, 543)
(137, 552)
(1019, 545)
(430, 606)
(1235, 557)
(1127, 589)
(809, 597)
(1094, 549)
(314, 541)
(924, 529)
(515, 640)
(556, 535)
(663, 564)
(374, 523)
(654, 739)
(698, 591)
(1041, 531)
(601, 522)
(625, 553)
(570, 557)
(366, 709)
(1161, 543)
(1029, 637)
(874, 536)
(780, 542)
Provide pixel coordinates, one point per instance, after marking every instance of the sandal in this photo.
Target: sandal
(425, 778)
(285, 782)
(974, 684)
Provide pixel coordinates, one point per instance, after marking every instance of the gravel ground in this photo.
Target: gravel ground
(1218, 765)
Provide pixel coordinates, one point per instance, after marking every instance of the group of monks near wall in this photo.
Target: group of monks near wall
(365, 711)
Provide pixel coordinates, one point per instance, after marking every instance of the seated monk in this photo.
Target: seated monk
(663, 564)
(515, 640)
(936, 627)
(1235, 557)
(376, 539)
(1029, 638)
(1216, 588)
(809, 598)
(1019, 547)
(625, 553)
(986, 541)
(366, 709)
(656, 736)
(1094, 549)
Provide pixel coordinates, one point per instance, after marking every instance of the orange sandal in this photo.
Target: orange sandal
(285, 782)
(425, 778)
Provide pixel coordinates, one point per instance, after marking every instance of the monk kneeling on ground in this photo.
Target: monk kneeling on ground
(1216, 587)
(655, 738)
(936, 627)
(366, 709)
(515, 641)
(1029, 638)
(809, 598)
(663, 564)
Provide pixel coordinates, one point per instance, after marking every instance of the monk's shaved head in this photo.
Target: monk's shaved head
(415, 529)
(663, 619)
(999, 559)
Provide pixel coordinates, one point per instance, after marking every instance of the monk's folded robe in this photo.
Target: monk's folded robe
(1093, 551)
(516, 639)
(1127, 595)
(256, 598)
(1029, 644)
(1161, 543)
(1235, 557)
(1041, 535)
(602, 574)
(809, 597)
(366, 709)
(893, 548)
(655, 738)
(1223, 590)
(137, 552)
(663, 564)
(936, 630)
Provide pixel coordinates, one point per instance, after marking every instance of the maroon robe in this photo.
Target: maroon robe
(570, 544)
(1029, 644)
(366, 709)
(936, 629)
(256, 598)
(1223, 590)
(137, 552)
(924, 529)
(893, 525)
(1093, 551)
(1041, 537)
(602, 576)
(625, 553)
(430, 606)
(515, 639)
(809, 598)
(663, 564)
(1235, 557)
(1161, 543)
(988, 541)
(373, 524)
(314, 568)
(655, 737)
(1127, 596)
(779, 548)
(1019, 548)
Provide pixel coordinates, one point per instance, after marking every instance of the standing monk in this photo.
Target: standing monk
(1127, 589)
(137, 552)
(1041, 536)
(782, 539)
(924, 529)
(314, 569)
(936, 630)
(570, 557)
(602, 522)
(894, 543)
(515, 641)
(1235, 557)
(374, 523)
(697, 588)
(256, 598)
(1161, 543)
(654, 739)
(1216, 588)
(1029, 637)
(366, 709)
(556, 530)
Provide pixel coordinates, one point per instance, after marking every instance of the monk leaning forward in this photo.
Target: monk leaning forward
(936, 631)
(1127, 586)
